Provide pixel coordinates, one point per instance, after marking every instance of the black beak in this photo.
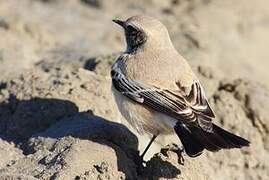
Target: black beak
(119, 22)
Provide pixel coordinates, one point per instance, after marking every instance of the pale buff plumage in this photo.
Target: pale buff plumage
(168, 70)
(157, 92)
(167, 67)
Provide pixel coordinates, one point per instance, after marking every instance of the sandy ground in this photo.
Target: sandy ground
(58, 118)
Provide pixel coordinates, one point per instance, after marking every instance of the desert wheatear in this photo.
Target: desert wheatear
(157, 92)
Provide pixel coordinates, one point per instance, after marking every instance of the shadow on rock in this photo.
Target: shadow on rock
(157, 168)
(41, 124)
(85, 125)
(20, 119)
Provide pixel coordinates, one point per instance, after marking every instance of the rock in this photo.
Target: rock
(16, 176)
(232, 106)
(34, 101)
(93, 3)
(71, 158)
(58, 119)
(72, 147)
(101, 65)
(85, 126)
(28, 117)
(167, 165)
(4, 24)
(8, 153)
(232, 101)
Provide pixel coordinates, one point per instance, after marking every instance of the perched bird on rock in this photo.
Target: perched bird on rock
(158, 93)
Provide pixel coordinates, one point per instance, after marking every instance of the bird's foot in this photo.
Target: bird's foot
(176, 149)
(180, 154)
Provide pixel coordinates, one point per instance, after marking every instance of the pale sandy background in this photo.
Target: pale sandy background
(55, 57)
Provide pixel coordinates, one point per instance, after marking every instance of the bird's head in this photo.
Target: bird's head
(143, 31)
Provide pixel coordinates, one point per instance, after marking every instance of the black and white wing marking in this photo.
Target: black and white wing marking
(192, 109)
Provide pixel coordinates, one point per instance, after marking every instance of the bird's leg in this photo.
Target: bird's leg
(140, 161)
(148, 146)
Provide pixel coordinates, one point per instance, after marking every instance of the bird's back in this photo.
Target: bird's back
(163, 68)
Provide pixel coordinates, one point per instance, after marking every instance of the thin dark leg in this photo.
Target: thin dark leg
(151, 141)
(140, 161)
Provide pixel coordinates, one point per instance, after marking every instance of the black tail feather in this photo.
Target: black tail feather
(210, 141)
(191, 144)
(233, 140)
(195, 140)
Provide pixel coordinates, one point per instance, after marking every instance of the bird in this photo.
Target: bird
(157, 92)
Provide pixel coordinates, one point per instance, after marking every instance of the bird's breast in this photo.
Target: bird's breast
(143, 120)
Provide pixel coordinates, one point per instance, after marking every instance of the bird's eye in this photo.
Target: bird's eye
(130, 28)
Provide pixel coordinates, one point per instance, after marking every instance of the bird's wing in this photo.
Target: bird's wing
(197, 101)
(190, 109)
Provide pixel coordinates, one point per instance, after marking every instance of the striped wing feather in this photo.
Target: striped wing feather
(191, 109)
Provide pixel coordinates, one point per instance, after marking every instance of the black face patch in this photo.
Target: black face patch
(135, 38)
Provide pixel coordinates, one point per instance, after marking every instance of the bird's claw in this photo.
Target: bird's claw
(174, 148)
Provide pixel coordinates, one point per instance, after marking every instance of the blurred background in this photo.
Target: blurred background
(63, 49)
(231, 36)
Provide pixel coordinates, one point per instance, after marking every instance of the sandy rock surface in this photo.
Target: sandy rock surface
(58, 118)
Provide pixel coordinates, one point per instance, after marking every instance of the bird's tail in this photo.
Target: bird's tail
(195, 139)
